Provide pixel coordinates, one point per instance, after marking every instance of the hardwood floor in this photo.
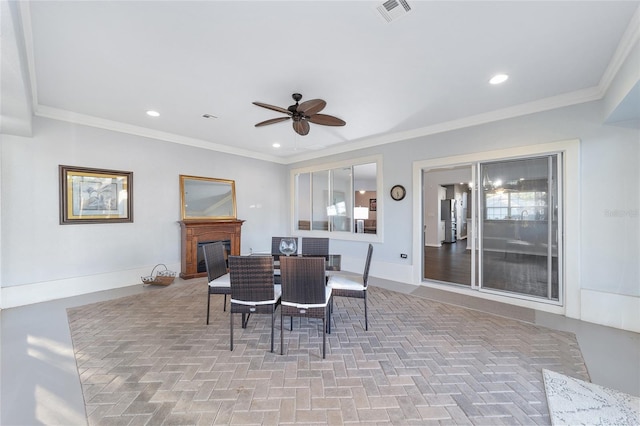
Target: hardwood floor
(510, 272)
(449, 263)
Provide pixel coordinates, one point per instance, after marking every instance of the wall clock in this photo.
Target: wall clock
(398, 192)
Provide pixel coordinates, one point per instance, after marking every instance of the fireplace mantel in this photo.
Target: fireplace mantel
(195, 231)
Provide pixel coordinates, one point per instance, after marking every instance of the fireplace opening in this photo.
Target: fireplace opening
(201, 263)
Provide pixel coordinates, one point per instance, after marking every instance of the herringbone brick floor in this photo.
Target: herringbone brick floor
(150, 359)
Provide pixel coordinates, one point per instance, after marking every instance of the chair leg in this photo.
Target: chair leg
(208, 304)
(291, 327)
(324, 338)
(231, 330)
(366, 319)
(281, 333)
(224, 307)
(330, 313)
(273, 318)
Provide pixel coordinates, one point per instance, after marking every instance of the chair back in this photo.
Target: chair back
(367, 264)
(312, 246)
(214, 260)
(275, 247)
(251, 278)
(303, 280)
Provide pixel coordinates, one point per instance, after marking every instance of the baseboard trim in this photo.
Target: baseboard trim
(28, 294)
(612, 310)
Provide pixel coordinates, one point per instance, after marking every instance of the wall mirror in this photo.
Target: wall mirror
(207, 198)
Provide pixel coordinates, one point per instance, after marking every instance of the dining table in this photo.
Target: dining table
(332, 264)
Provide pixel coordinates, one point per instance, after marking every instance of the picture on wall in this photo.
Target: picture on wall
(372, 204)
(90, 195)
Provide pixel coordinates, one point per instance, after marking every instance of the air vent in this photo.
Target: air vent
(393, 9)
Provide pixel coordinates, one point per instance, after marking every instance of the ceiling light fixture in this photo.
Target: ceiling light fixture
(276, 145)
(498, 79)
(152, 113)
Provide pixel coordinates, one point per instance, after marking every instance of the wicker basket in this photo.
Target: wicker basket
(164, 277)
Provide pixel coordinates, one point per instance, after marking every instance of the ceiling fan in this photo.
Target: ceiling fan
(302, 114)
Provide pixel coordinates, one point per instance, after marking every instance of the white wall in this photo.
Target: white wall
(42, 260)
(609, 182)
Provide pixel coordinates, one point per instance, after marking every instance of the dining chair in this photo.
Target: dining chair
(217, 273)
(252, 289)
(344, 285)
(275, 247)
(313, 246)
(305, 293)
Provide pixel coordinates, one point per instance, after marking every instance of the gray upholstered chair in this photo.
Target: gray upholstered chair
(344, 285)
(305, 293)
(252, 289)
(312, 246)
(217, 273)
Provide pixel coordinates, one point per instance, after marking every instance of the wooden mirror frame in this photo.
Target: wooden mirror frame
(215, 198)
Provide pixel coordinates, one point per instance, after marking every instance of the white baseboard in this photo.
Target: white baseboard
(27, 294)
(611, 310)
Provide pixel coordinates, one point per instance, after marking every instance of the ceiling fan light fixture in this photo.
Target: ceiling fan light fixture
(301, 114)
(498, 79)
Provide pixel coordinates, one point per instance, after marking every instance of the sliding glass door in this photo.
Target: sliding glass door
(498, 231)
(519, 220)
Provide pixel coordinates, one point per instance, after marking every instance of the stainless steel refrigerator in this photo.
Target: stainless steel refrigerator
(448, 216)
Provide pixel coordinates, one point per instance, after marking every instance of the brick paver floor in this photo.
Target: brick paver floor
(151, 359)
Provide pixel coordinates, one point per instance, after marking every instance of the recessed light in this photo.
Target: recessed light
(153, 113)
(499, 78)
(276, 145)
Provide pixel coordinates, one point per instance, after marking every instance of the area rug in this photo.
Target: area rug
(573, 401)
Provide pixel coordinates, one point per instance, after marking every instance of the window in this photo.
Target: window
(531, 205)
(339, 199)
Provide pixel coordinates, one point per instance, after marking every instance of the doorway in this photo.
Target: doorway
(502, 235)
(448, 202)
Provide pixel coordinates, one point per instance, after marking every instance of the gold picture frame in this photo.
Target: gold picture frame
(89, 195)
(203, 198)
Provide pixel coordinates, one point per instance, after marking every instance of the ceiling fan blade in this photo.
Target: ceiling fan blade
(301, 127)
(311, 107)
(326, 120)
(274, 108)
(272, 121)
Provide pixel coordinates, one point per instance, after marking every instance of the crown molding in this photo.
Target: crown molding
(554, 102)
(116, 126)
(629, 39)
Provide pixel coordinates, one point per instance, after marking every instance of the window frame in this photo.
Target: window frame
(339, 235)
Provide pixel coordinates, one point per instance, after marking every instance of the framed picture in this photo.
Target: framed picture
(207, 198)
(372, 204)
(95, 195)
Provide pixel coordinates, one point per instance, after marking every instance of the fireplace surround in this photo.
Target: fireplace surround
(194, 232)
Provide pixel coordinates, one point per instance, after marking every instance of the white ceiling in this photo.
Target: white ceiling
(105, 63)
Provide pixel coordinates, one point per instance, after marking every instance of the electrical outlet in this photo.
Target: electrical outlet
(403, 255)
